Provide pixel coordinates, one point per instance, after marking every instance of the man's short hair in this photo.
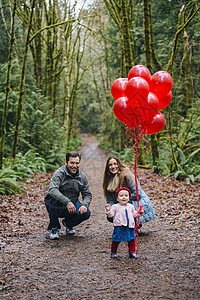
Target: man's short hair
(72, 154)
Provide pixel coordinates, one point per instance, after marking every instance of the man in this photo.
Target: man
(62, 200)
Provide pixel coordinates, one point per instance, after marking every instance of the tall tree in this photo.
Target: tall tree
(76, 45)
(36, 44)
(122, 12)
(3, 126)
(149, 50)
(186, 14)
(21, 87)
(189, 87)
(183, 21)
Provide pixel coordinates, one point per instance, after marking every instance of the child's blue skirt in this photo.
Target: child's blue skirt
(123, 233)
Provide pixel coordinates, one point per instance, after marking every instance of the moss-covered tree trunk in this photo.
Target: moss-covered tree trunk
(37, 48)
(75, 49)
(155, 60)
(21, 87)
(186, 15)
(127, 51)
(183, 21)
(122, 12)
(53, 54)
(148, 52)
(56, 57)
(49, 56)
(131, 19)
(71, 115)
(147, 35)
(5, 112)
(126, 48)
(126, 57)
(189, 88)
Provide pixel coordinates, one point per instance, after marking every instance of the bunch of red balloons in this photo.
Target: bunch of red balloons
(140, 97)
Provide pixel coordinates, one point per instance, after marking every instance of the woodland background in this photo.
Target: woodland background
(58, 60)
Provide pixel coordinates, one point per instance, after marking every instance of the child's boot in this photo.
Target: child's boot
(133, 255)
(113, 254)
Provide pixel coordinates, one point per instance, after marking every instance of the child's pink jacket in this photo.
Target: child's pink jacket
(117, 211)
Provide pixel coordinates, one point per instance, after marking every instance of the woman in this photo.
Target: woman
(117, 175)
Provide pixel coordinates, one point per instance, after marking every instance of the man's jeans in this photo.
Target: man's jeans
(57, 210)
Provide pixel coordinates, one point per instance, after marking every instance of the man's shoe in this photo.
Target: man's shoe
(70, 231)
(53, 234)
(133, 255)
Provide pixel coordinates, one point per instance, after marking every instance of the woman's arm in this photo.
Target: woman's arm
(111, 198)
(129, 180)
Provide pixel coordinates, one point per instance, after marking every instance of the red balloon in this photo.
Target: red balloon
(165, 101)
(156, 124)
(161, 84)
(152, 109)
(153, 101)
(137, 90)
(118, 88)
(141, 115)
(140, 71)
(124, 113)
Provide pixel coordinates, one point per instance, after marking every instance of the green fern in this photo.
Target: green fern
(8, 181)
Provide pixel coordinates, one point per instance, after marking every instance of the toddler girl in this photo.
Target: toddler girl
(123, 214)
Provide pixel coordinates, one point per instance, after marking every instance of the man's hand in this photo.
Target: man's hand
(71, 208)
(107, 207)
(82, 210)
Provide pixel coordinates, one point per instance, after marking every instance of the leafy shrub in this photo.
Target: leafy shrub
(74, 144)
(186, 168)
(27, 164)
(8, 181)
(22, 167)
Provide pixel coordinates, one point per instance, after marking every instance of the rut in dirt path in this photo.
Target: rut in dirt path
(80, 267)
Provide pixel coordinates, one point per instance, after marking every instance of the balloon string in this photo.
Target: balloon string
(136, 135)
(137, 194)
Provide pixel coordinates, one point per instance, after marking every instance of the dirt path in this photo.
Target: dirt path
(80, 267)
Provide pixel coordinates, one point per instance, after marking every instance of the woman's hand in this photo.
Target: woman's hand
(107, 207)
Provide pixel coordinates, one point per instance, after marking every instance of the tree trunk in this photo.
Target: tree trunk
(179, 33)
(189, 88)
(127, 54)
(147, 36)
(148, 52)
(155, 60)
(49, 57)
(21, 88)
(5, 112)
(38, 47)
(155, 153)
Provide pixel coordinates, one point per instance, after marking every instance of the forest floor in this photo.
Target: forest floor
(79, 266)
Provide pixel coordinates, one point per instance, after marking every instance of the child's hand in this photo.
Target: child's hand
(141, 210)
(107, 207)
